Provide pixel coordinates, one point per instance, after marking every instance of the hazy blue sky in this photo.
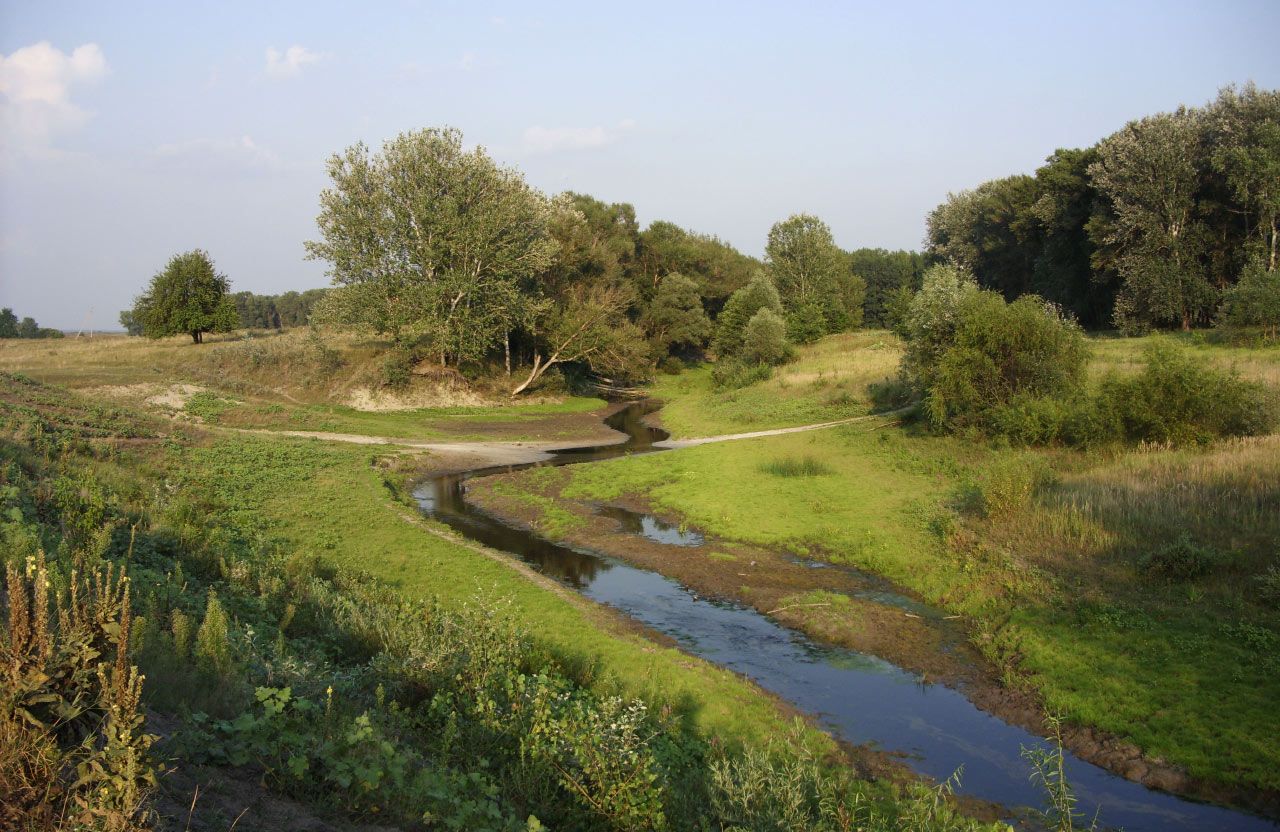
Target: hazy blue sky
(132, 131)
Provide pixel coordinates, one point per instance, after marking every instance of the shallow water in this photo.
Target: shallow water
(860, 698)
(650, 527)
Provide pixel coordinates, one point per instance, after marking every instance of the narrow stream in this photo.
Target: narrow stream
(860, 698)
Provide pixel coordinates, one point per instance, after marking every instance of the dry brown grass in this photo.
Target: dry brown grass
(293, 366)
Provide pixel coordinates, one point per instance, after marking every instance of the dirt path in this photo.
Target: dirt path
(499, 452)
(730, 437)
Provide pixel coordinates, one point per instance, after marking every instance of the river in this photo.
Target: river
(859, 698)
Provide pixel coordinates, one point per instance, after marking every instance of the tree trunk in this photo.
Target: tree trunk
(536, 373)
(195, 337)
(506, 350)
(1186, 321)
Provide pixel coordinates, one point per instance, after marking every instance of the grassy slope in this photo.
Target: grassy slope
(1053, 583)
(281, 381)
(418, 423)
(332, 499)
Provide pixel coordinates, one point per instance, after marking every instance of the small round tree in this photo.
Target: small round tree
(764, 341)
(759, 293)
(189, 296)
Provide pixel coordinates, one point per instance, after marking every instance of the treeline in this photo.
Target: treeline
(275, 311)
(11, 327)
(460, 261)
(1150, 227)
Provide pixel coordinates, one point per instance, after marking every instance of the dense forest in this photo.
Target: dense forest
(1148, 228)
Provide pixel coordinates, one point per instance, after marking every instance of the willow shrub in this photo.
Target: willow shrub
(1001, 352)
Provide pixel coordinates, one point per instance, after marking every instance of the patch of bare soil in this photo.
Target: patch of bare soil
(824, 604)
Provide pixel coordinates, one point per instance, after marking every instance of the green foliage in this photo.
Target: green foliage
(1005, 487)
(741, 307)
(1141, 230)
(128, 320)
(819, 294)
(276, 311)
(1254, 301)
(397, 369)
(208, 406)
(1049, 770)
(213, 639)
(188, 297)
(970, 353)
(764, 340)
(1179, 400)
(885, 273)
(675, 318)
(446, 274)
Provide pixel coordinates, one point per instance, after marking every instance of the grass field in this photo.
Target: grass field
(1064, 563)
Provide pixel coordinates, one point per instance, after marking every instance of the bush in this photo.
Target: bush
(1178, 401)
(1005, 486)
(891, 393)
(397, 370)
(731, 374)
(671, 366)
(792, 467)
(1001, 352)
(1182, 560)
(764, 341)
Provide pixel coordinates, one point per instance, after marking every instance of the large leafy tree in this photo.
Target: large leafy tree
(717, 267)
(991, 231)
(1150, 173)
(808, 269)
(432, 244)
(188, 297)
(588, 325)
(8, 323)
(675, 319)
(1244, 134)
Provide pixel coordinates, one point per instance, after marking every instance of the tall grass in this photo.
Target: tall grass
(789, 466)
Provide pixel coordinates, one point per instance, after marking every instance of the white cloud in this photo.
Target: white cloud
(217, 156)
(290, 62)
(36, 82)
(555, 139)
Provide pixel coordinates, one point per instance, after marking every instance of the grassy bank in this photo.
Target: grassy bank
(1128, 588)
(293, 616)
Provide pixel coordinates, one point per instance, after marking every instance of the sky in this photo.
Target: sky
(133, 131)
